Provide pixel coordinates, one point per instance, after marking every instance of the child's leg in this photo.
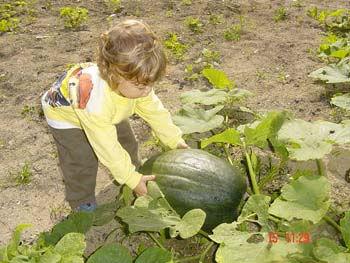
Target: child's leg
(78, 164)
(127, 139)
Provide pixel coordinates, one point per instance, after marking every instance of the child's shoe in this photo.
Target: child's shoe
(88, 207)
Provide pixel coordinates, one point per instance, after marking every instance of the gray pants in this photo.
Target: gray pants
(79, 164)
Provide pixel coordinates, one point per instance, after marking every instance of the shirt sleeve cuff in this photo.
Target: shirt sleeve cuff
(133, 180)
(173, 143)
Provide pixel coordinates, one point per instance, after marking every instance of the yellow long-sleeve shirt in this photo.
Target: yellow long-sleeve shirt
(96, 109)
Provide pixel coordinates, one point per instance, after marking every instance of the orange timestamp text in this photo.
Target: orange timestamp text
(291, 237)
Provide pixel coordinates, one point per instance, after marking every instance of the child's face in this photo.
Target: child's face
(133, 90)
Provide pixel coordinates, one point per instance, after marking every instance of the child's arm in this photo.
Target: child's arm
(102, 136)
(151, 109)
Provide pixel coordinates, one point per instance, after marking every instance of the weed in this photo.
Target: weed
(216, 19)
(194, 24)
(24, 176)
(28, 111)
(233, 33)
(169, 13)
(280, 14)
(211, 56)
(186, 2)
(172, 43)
(9, 25)
(297, 3)
(114, 5)
(191, 75)
(59, 212)
(261, 75)
(73, 17)
(9, 20)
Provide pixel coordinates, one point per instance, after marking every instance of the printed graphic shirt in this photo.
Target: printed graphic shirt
(81, 99)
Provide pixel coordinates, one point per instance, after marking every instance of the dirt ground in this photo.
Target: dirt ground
(272, 59)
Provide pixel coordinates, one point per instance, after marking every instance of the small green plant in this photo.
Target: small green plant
(114, 5)
(297, 3)
(191, 75)
(186, 2)
(9, 25)
(233, 33)
(173, 44)
(194, 24)
(73, 17)
(24, 176)
(216, 19)
(169, 13)
(28, 110)
(280, 14)
(211, 56)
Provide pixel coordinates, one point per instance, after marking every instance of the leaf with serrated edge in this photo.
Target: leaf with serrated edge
(150, 214)
(230, 135)
(72, 244)
(333, 73)
(191, 120)
(217, 78)
(345, 228)
(308, 141)
(265, 129)
(258, 204)
(234, 246)
(109, 253)
(155, 255)
(210, 97)
(327, 250)
(190, 224)
(342, 101)
(305, 198)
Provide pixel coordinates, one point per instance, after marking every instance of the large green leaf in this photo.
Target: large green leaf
(342, 101)
(11, 250)
(345, 228)
(308, 141)
(109, 253)
(265, 129)
(50, 257)
(217, 78)
(79, 222)
(305, 198)
(153, 213)
(236, 246)
(258, 204)
(333, 73)
(230, 135)
(72, 245)
(190, 224)
(210, 97)
(213, 96)
(327, 250)
(155, 255)
(104, 213)
(192, 120)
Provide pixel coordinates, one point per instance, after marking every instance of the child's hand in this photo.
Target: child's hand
(141, 188)
(182, 145)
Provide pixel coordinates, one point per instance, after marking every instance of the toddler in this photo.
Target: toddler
(87, 111)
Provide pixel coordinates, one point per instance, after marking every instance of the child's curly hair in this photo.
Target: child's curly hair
(130, 50)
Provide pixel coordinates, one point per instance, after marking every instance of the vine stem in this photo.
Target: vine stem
(156, 240)
(201, 259)
(320, 167)
(228, 154)
(185, 259)
(332, 222)
(203, 233)
(251, 170)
